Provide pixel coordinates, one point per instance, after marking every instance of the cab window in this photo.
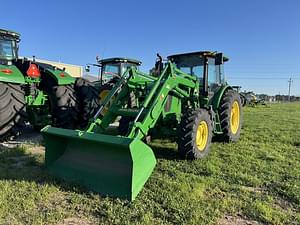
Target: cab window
(6, 49)
(110, 70)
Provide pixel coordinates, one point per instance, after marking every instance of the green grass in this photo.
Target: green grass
(257, 178)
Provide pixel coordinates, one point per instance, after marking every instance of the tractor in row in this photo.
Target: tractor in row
(31, 91)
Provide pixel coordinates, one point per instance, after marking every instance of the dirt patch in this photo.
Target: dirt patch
(253, 189)
(75, 221)
(237, 220)
(36, 149)
(284, 205)
(28, 137)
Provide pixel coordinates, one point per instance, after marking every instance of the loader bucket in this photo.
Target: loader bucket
(111, 165)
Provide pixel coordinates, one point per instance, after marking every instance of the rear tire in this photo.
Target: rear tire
(243, 100)
(104, 90)
(195, 134)
(12, 110)
(89, 101)
(64, 106)
(63, 103)
(230, 116)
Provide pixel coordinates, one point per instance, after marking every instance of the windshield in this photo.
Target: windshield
(110, 70)
(125, 66)
(194, 65)
(193, 70)
(7, 49)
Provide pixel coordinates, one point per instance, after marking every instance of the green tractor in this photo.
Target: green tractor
(31, 91)
(91, 94)
(189, 99)
(113, 68)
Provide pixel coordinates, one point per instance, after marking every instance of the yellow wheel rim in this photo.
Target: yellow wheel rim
(102, 96)
(235, 117)
(202, 135)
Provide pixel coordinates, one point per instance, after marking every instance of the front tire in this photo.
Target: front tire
(195, 134)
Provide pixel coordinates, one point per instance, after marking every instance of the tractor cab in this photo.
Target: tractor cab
(113, 68)
(205, 65)
(8, 46)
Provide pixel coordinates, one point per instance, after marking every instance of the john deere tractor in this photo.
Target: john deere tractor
(189, 99)
(31, 91)
(90, 94)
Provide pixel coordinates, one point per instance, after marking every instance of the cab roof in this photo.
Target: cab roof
(120, 60)
(10, 33)
(200, 53)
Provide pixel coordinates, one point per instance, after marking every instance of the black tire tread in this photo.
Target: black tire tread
(63, 103)
(65, 112)
(12, 110)
(225, 112)
(89, 100)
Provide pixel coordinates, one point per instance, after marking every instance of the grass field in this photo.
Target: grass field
(254, 181)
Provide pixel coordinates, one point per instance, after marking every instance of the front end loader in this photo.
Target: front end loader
(189, 99)
(31, 91)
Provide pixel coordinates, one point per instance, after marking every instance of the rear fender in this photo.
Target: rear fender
(60, 76)
(216, 100)
(11, 74)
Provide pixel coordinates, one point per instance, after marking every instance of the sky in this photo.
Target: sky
(261, 37)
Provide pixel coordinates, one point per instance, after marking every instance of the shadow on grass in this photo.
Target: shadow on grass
(18, 165)
(165, 149)
(297, 144)
(166, 153)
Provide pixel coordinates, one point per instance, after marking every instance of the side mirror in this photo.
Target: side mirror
(87, 68)
(98, 59)
(219, 59)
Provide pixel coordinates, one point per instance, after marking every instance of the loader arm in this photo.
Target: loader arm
(130, 80)
(171, 82)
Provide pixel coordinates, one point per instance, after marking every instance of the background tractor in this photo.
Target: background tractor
(189, 99)
(91, 94)
(251, 99)
(30, 91)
